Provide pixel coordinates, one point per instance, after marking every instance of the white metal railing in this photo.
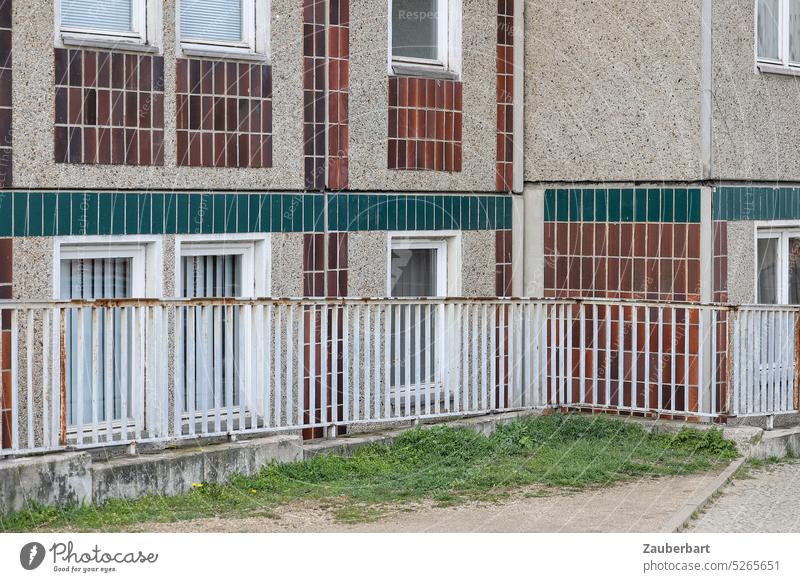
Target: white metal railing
(96, 373)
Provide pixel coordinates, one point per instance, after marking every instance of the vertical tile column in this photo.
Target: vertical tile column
(313, 286)
(314, 93)
(338, 92)
(6, 244)
(503, 289)
(505, 96)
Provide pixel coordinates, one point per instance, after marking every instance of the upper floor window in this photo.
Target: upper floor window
(778, 266)
(107, 23)
(425, 36)
(778, 32)
(236, 28)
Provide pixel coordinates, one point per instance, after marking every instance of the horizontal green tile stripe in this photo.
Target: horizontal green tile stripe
(755, 203)
(119, 213)
(622, 205)
(349, 212)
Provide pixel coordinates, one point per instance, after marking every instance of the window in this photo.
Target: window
(425, 36)
(99, 271)
(107, 23)
(236, 28)
(778, 33)
(417, 269)
(216, 270)
(778, 266)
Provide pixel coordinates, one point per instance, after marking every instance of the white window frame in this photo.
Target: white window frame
(146, 35)
(781, 65)
(781, 232)
(145, 254)
(255, 45)
(448, 63)
(254, 250)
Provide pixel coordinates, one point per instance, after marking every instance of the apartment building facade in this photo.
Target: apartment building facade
(239, 149)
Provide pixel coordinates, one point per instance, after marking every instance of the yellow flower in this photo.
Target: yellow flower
(196, 485)
(253, 491)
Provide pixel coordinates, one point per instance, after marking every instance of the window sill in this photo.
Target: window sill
(224, 53)
(82, 41)
(408, 70)
(769, 69)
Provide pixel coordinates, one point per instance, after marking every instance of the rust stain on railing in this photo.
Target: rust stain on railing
(62, 434)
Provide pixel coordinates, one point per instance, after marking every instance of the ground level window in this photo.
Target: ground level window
(417, 270)
(89, 272)
(778, 266)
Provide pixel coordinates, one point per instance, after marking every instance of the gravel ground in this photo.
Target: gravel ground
(768, 501)
(638, 506)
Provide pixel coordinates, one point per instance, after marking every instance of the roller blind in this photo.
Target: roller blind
(211, 20)
(106, 15)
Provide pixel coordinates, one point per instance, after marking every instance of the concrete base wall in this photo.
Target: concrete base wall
(73, 478)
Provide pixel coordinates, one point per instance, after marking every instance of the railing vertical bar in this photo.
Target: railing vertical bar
(334, 384)
(448, 359)
(750, 360)
(562, 356)
(357, 363)
(429, 346)
(517, 362)
(218, 367)
(278, 367)
(301, 376)
(621, 357)
(634, 356)
(229, 367)
(78, 389)
(124, 366)
(569, 319)
(108, 371)
(269, 357)
(291, 320)
(207, 377)
(686, 357)
(700, 359)
(346, 341)
(366, 363)
(254, 327)
(418, 381)
(379, 391)
(582, 364)
(191, 367)
(407, 358)
(758, 386)
(713, 361)
(608, 318)
(647, 344)
(29, 331)
(474, 322)
(386, 363)
(46, 391)
(672, 347)
(164, 357)
(484, 357)
(660, 358)
(771, 359)
(55, 387)
(535, 337)
(465, 357)
(397, 361)
(493, 364)
(595, 355)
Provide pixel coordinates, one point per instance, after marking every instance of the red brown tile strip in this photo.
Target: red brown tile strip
(314, 39)
(505, 96)
(425, 124)
(224, 114)
(109, 108)
(338, 92)
(6, 278)
(6, 138)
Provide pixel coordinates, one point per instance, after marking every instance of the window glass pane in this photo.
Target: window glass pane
(413, 272)
(769, 29)
(794, 31)
(211, 20)
(767, 270)
(794, 271)
(105, 15)
(212, 276)
(414, 29)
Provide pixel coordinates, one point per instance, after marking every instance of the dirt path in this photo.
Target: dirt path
(640, 506)
(768, 501)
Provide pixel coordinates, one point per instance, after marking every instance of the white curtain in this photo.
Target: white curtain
(769, 29)
(211, 20)
(104, 15)
(414, 28)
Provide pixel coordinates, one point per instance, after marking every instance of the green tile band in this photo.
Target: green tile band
(622, 205)
(755, 203)
(25, 213)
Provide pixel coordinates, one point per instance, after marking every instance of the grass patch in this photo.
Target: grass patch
(442, 465)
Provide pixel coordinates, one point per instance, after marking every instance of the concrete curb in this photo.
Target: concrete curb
(757, 444)
(699, 500)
